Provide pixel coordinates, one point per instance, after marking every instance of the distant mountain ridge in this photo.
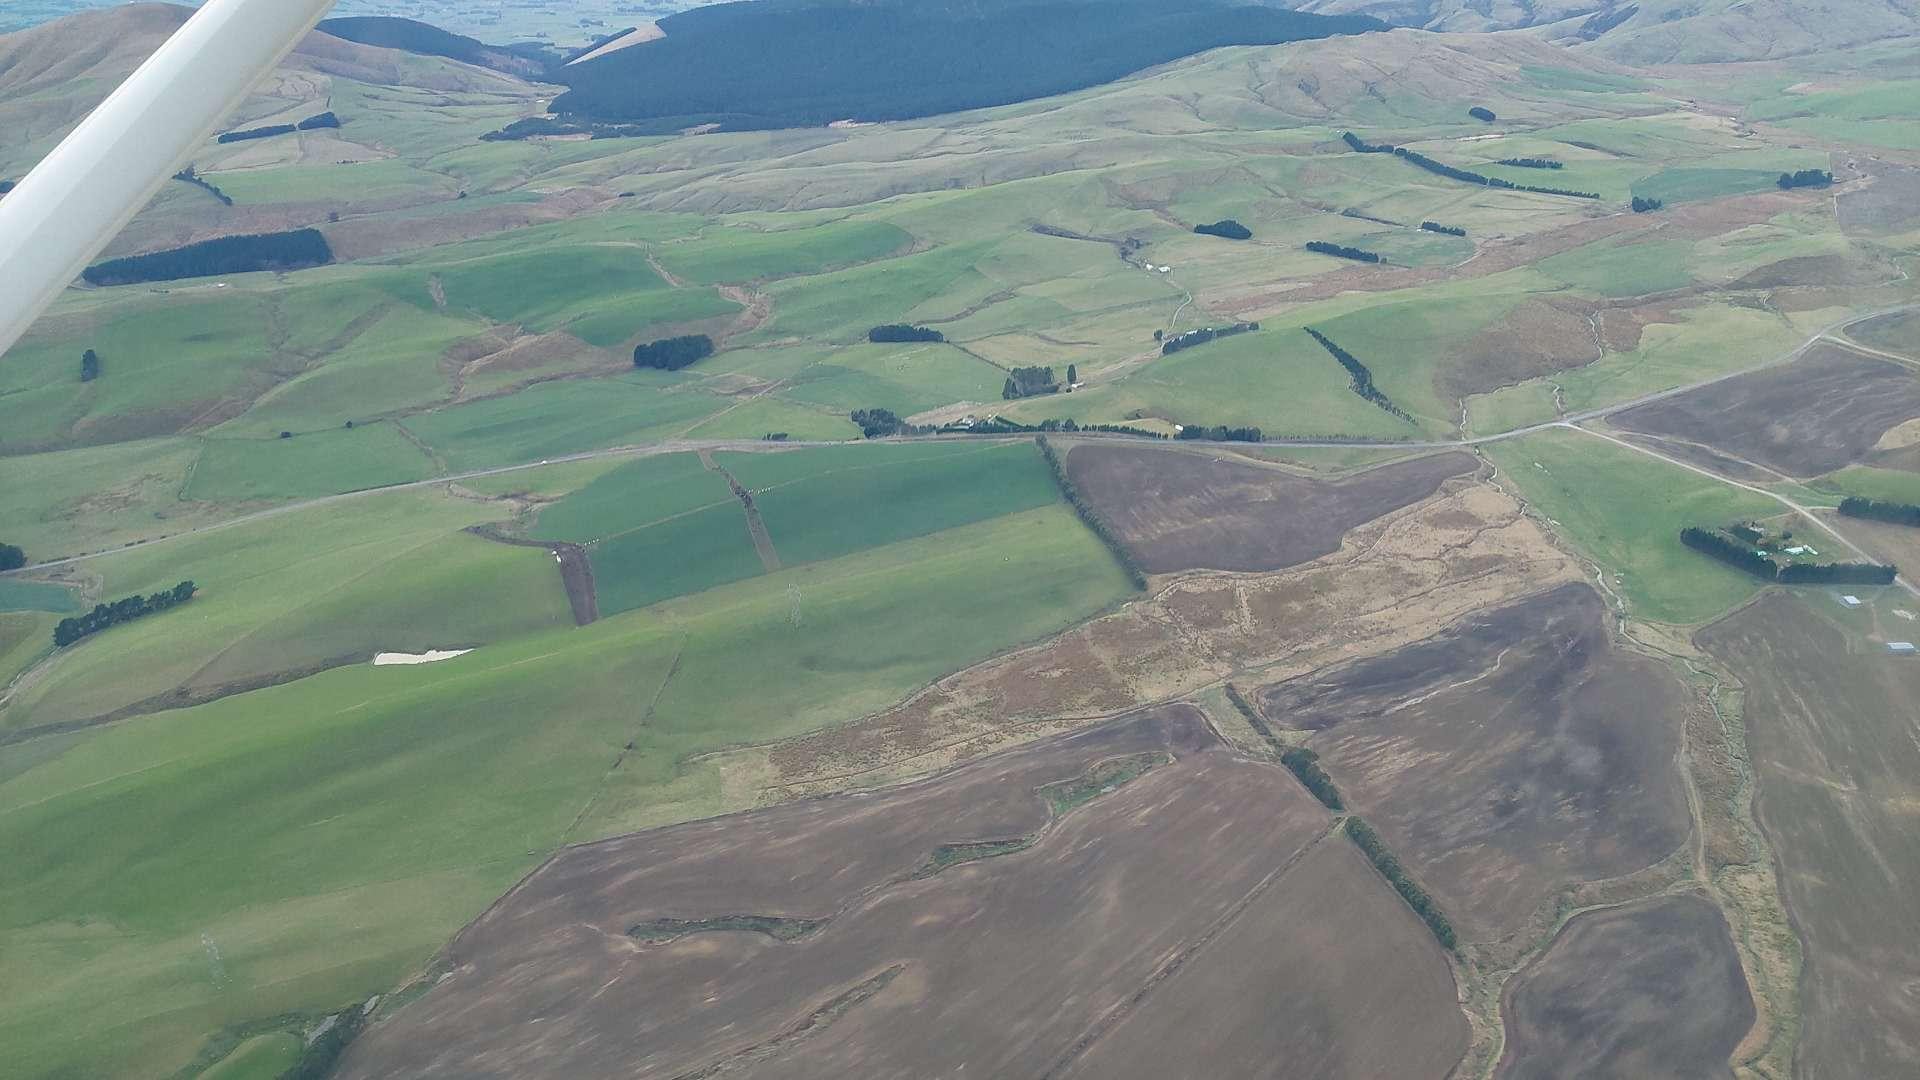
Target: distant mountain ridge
(411, 35)
(791, 63)
(1658, 31)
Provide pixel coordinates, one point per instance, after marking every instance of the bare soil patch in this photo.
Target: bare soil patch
(1651, 991)
(1831, 720)
(1394, 581)
(805, 943)
(1185, 511)
(1311, 953)
(1519, 751)
(1813, 416)
(1539, 337)
(1886, 205)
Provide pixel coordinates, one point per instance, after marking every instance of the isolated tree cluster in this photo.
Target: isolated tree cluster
(1641, 204)
(1226, 229)
(12, 557)
(674, 353)
(1023, 382)
(1805, 178)
(1444, 230)
(897, 332)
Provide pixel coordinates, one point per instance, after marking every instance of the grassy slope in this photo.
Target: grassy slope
(418, 793)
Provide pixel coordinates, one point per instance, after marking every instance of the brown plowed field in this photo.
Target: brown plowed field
(1176, 510)
(1651, 991)
(859, 962)
(1516, 752)
(1347, 985)
(1813, 416)
(1834, 730)
(1394, 582)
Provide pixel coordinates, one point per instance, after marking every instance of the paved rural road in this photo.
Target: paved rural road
(674, 446)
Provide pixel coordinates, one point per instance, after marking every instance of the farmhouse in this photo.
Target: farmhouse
(1850, 601)
(1900, 648)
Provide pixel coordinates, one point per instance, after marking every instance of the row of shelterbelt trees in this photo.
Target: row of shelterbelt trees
(1875, 510)
(1744, 556)
(119, 611)
(1414, 157)
(1304, 764)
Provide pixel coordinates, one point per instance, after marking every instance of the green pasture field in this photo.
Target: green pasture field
(162, 363)
(457, 590)
(335, 184)
(844, 304)
(1618, 268)
(97, 497)
(328, 854)
(263, 1057)
(24, 637)
(393, 365)
(19, 594)
(1405, 344)
(766, 415)
(558, 418)
(688, 553)
(1277, 379)
(904, 378)
(312, 464)
(633, 495)
(1511, 407)
(763, 471)
(838, 511)
(1625, 511)
(602, 294)
(1711, 340)
(1876, 101)
(1887, 485)
(261, 578)
(739, 255)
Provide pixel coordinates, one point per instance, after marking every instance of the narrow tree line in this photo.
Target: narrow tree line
(1383, 860)
(1305, 766)
(1532, 163)
(1744, 557)
(188, 176)
(311, 123)
(897, 332)
(1092, 520)
(1891, 512)
(294, 250)
(1225, 229)
(123, 610)
(1444, 230)
(674, 353)
(1362, 383)
(1219, 433)
(1203, 335)
(1452, 173)
(1321, 247)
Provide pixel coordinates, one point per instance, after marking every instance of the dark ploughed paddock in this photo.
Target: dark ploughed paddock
(1178, 510)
